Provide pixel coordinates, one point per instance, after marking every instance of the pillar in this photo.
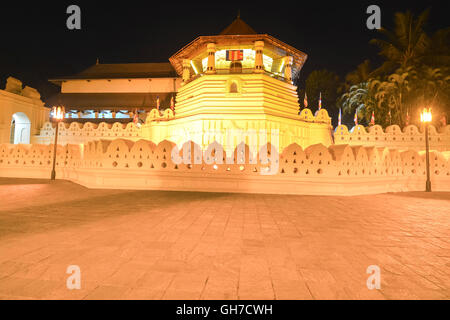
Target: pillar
(211, 49)
(288, 68)
(186, 72)
(259, 65)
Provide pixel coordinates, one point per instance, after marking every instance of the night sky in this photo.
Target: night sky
(36, 45)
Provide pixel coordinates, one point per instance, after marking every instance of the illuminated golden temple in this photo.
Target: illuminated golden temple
(213, 89)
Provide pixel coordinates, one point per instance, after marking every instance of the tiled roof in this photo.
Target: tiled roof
(238, 27)
(124, 71)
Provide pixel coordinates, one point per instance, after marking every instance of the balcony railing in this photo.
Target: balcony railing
(243, 71)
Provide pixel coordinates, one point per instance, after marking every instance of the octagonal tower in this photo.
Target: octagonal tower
(238, 80)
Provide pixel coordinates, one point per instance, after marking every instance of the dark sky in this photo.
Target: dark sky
(35, 44)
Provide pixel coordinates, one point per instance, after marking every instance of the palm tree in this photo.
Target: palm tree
(438, 54)
(407, 45)
(391, 94)
(361, 74)
(431, 87)
(360, 99)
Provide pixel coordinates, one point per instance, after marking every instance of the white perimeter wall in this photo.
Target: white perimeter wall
(124, 164)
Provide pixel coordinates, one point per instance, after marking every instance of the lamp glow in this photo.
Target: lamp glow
(57, 116)
(57, 113)
(425, 115)
(193, 67)
(282, 65)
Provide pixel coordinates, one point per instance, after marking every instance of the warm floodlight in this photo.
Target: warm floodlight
(57, 113)
(425, 115)
(57, 116)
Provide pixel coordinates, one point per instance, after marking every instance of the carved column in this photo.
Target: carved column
(211, 48)
(186, 72)
(259, 65)
(288, 68)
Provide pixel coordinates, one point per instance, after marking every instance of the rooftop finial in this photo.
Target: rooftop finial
(97, 62)
(239, 14)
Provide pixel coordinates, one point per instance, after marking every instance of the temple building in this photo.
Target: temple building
(238, 80)
(224, 88)
(115, 92)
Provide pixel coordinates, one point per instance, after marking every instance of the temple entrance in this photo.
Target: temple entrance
(20, 129)
(236, 67)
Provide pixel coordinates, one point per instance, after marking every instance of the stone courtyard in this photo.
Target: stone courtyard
(188, 245)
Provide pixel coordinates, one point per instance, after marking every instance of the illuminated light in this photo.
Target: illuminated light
(215, 167)
(58, 113)
(267, 62)
(425, 115)
(282, 65)
(193, 67)
(248, 61)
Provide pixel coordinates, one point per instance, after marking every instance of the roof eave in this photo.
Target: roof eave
(178, 66)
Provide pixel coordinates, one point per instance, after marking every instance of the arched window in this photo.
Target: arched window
(233, 87)
(20, 128)
(236, 67)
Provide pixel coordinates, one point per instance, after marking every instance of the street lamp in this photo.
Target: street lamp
(57, 115)
(425, 117)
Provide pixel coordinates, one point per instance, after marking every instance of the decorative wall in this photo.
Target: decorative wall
(142, 164)
(393, 137)
(78, 133)
(159, 126)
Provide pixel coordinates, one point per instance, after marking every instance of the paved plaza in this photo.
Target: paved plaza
(186, 245)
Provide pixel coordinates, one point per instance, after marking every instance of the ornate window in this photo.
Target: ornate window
(233, 87)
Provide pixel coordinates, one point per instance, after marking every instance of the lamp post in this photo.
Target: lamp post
(57, 117)
(425, 117)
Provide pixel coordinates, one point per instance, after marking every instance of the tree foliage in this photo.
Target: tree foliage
(414, 75)
(325, 82)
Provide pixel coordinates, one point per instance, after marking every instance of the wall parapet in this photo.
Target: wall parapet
(78, 133)
(142, 164)
(393, 137)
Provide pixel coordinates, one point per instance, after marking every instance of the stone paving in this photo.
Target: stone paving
(182, 245)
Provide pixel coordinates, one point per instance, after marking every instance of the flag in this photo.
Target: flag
(356, 118)
(320, 101)
(235, 55)
(372, 120)
(172, 104)
(443, 120)
(305, 101)
(157, 103)
(339, 117)
(136, 118)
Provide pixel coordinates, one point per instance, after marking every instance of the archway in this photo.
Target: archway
(236, 67)
(20, 128)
